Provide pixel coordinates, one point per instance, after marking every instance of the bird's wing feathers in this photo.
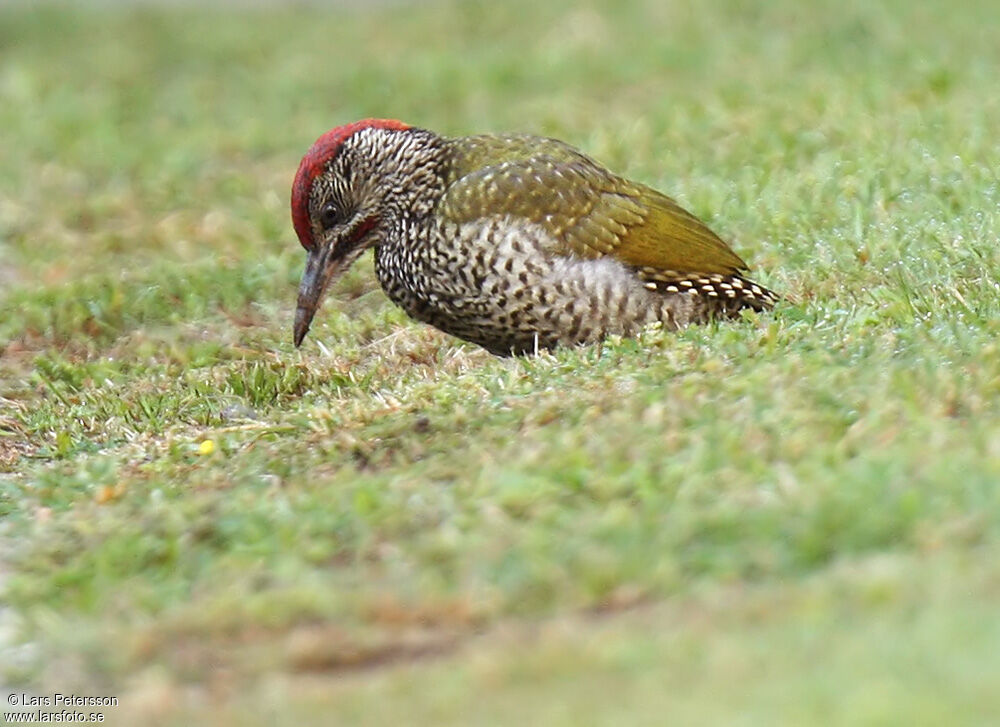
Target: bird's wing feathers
(589, 212)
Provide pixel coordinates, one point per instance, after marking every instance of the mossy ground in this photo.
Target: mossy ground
(791, 518)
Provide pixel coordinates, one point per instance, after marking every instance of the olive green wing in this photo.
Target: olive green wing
(588, 211)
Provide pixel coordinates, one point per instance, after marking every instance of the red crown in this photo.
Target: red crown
(312, 164)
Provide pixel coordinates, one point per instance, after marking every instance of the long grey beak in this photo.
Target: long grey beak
(311, 291)
(303, 317)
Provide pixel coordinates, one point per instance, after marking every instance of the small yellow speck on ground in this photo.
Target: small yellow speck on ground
(104, 494)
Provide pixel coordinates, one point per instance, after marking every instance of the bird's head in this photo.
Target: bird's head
(342, 201)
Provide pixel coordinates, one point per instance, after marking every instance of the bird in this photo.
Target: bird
(513, 242)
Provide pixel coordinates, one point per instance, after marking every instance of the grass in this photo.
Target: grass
(792, 518)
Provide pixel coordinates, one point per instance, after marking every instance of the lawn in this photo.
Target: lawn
(791, 518)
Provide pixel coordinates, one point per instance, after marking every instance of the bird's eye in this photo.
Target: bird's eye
(329, 215)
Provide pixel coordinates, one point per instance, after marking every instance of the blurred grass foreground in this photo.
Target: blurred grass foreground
(793, 518)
